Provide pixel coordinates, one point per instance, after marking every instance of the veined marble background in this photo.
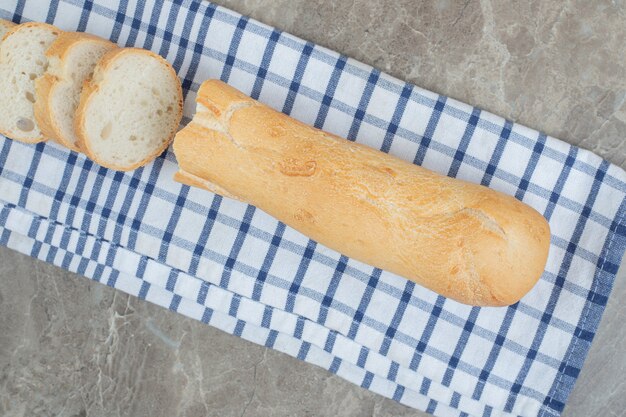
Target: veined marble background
(72, 347)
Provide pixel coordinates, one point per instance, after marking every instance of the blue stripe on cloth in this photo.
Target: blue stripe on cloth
(113, 192)
(146, 196)
(420, 347)
(170, 229)
(152, 24)
(367, 380)
(360, 111)
(330, 92)
(19, 9)
(392, 330)
(432, 406)
(232, 256)
(4, 153)
(199, 249)
(169, 27)
(232, 51)
(197, 52)
(267, 261)
(357, 318)
(294, 85)
(459, 155)
(136, 23)
(494, 352)
(545, 320)
(270, 47)
(430, 130)
(271, 339)
(497, 153)
(294, 288)
(28, 181)
(460, 346)
(392, 129)
(124, 215)
(52, 11)
(332, 288)
(530, 168)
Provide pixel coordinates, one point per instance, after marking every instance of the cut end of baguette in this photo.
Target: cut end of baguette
(130, 110)
(22, 61)
(72, 57)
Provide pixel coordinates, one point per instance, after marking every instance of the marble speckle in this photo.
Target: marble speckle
(74, 348)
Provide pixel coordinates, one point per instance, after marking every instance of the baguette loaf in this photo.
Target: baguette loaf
(22, 60)
(72, 57)
(462, 240)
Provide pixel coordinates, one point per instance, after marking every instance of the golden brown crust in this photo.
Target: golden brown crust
(43, 85)
(91, 87)
(14, 29)
(64, 43)
(462, 240)
(46, 85)
(193, 181)
(8, 25)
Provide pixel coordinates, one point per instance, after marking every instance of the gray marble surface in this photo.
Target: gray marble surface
(72, 347)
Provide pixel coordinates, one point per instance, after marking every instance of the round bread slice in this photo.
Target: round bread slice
(72, 58)
(130, 110)
(22, 61)
(5, 26)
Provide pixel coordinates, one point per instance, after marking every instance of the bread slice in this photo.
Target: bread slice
(72, 57)
(130, 110)
(22, 61)
(5, 26)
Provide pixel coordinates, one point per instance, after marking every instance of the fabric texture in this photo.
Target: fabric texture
(236, 268)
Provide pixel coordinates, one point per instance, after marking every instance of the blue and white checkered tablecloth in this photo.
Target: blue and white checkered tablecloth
(236, 268)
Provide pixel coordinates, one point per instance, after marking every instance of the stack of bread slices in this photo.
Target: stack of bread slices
(119, 106)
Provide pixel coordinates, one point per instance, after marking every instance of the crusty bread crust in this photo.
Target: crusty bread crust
(193, 181)
(7, 25)
(42, 137)
(46, 85)
(91, 88)
(462, 240)
(43, 86)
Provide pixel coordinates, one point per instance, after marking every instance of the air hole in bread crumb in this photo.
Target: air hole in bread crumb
(32, 75)
(106, 131)
(42, 42)
(160, 112)
(39, 62)
(155, 91)
(132, 138)
(170, 109)
(30, 97)
(25, 125)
